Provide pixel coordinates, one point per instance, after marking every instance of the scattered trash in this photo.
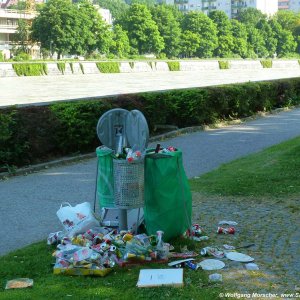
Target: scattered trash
(237, 256)
(191, 265)
(55, 237)
(213, 251)
(230, 223)
(211, 264)
(19, 283)
(228, 247)
(201, 238)
(252, 267)
(229, 230)
(182, 254)
(179, 263)
(215, 277)
(160, 277)
(76, 219)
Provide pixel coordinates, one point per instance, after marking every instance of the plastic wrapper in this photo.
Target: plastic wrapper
(19, 283)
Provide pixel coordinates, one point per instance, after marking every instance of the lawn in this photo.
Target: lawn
(272, 173)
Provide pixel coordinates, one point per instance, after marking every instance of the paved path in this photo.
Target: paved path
(28, 204)
(20, 90)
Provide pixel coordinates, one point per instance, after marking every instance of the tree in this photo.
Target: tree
(120, 45)
(256, 43)
(169, 29)
(250, 16)
(190, 43)
(286, 42)
(240, 35)
(224, 33)
(142, 30)
(22, 35)
(202, 25)
(268, 35)
(116, 7)
(68, 28)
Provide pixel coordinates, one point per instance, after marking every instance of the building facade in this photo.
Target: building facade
(293, 5)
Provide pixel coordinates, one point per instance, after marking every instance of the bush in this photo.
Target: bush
(30, 69)
(1, 56)
(173, 65)
(81, 68)
(61, 67)
(131, 64)
(224, 64)
(108, 67)
(71, 67)
(22, 56)
(39, 133)
(266, 63)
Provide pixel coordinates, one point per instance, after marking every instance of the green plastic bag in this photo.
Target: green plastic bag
(105, 177)
(168, 199)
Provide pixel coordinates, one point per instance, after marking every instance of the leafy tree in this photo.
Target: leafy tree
(224, 33)
(20, 5)
(202, 25)
(256, 43)
(240, 35)
(142, 30)
(66, 28)
(120, 45)
(169, 29)
(268, 35)
(190, 43)
(144, 2)
(250, 16)
(22, 35)
(116, 7)
(286, 42)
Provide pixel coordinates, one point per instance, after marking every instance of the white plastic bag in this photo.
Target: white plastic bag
(76, 219)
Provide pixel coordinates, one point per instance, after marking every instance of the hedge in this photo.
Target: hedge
(61, 67)
(173, 65)
(223, 64)
(30, 69)
(38, 133)
(266, 63)
(108, 67)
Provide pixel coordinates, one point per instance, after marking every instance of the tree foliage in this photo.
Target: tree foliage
(116, 7)
(142, 30)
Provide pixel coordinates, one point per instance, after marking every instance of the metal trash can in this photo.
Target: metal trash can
(128, 183)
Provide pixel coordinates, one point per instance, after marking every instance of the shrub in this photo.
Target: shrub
(1, 56)
(224, 64)
(22, 56)
(173, 65)
(131, 64)
(71, 67)
(81, 68)
(108, 67)
(34, 134)
(30, 69)
(61, 67)
(266, 63)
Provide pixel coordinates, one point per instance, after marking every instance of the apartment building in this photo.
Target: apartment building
(293, 5)
(230, 7)
(8, 27)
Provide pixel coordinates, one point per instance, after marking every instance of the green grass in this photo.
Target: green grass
(273, 172)
(35, 261)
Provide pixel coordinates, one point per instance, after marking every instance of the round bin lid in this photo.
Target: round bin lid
(237, 256)
(211, 264)
(107, 124)
(137, 130)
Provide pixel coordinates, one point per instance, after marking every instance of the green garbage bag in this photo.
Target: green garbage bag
(105, 177)
(168, 199)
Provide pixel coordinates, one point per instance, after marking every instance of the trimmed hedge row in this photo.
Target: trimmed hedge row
(108, 67)
(39, 133)
(29, 69)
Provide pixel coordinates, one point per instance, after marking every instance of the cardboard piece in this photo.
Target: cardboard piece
(160, 277)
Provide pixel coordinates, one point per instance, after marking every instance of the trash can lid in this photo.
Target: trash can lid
(137, 130)
(107, 124)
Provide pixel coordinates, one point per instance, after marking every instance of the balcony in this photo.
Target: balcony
(16, 14)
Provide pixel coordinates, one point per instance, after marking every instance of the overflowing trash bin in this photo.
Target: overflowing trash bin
(131, 176)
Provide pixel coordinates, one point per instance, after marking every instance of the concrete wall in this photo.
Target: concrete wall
(6, 69)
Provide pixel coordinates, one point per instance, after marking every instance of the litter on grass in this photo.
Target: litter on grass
(19, 283)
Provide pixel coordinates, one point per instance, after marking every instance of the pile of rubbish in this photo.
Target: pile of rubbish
(98, 250)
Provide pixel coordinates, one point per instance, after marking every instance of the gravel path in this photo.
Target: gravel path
(275, 233)
(28, 204)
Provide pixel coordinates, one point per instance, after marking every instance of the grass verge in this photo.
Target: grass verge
(269, 173)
